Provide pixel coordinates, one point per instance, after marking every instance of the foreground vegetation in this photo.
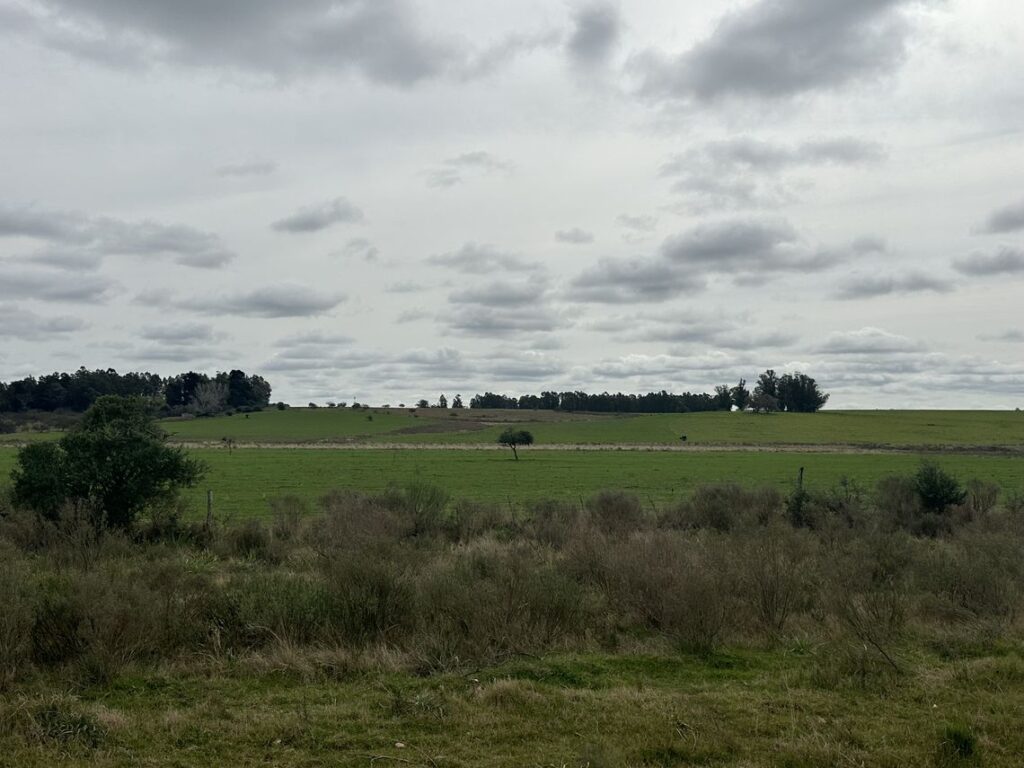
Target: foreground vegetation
(735, 627)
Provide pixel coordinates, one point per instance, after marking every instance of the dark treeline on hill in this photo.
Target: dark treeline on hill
(191, 392)
(792, 392)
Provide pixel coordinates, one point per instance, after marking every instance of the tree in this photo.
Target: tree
(211, 398)
(457, 402)
(762, 403)
(741, 395)
(515, 437)
(937, 489)
(111, 466)
(767, 384)
(423, 403)
(723, 397)
(799, 393)
(442, 402)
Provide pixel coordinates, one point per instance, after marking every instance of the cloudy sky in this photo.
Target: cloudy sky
(382, 200)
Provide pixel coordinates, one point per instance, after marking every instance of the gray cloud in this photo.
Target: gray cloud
(359, 247)
(19, 323)
(284, 300)
(744, 172)
(723, 331)
(1005, 220)
(18, 283)
(382, 40)
(251, 168)
(453, 171)
(1012, 336)
(179, 334)
(868, 341)
(76, 241)
(597, 29)
(314, 218)
(574, 236)
(479, 259)
(639, 223)
(782, 48)
(870, 286)
(627, 281)
(503, 308)
(1006, 261)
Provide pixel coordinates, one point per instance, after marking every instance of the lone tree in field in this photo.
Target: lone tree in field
(110, 467)
(515, 437)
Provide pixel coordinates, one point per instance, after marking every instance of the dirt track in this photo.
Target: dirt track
(631, 447)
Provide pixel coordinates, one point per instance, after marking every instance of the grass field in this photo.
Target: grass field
(244, 480)
(895, 428)
(744, 710)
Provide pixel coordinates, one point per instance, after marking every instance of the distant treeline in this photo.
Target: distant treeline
(189, 392)
(654, 402)
(796, 392)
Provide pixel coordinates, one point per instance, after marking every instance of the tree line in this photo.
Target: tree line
(191, 392)
(792, 392)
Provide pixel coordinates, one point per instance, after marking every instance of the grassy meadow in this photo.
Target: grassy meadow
(244, 480)
(863, 428)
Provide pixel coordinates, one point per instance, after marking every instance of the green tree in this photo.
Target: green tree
(515, 437)
(937, 489)
(723, 397)
(111, 466)
(741, 395)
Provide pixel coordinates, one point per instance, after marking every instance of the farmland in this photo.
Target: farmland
(856, 428)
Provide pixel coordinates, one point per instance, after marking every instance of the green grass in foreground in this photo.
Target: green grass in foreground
(469, 426)
(244, 480)
(742, 709)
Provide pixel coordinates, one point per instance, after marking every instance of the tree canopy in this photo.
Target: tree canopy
(108, 468)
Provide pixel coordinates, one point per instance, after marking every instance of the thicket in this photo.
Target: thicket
(189, 392)
(414, 579)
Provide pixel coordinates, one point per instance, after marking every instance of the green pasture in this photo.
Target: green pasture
(243, 480)
(896, 428)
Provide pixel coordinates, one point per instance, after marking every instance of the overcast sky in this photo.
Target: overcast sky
(382, 200)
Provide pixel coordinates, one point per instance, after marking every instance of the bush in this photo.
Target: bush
(937, 489)
(724, 507)
(616, 512)
(17, 613)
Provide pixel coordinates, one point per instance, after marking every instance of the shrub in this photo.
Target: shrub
(725, 506)
(937, 489)
(616, 512)
(776, 575)
(17, 613)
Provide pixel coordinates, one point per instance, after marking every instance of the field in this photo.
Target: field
(857, 428)
(245, 479)
(659, 628)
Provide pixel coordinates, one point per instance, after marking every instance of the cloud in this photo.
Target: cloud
(627, 281)
(871, 286)
(359, 247)
(752, 251)
(382, 41)
(480, 259)
(1012, 337)
(1006, 261)
(285, 300)
(596, 32)
(744, 172)
(503, 308)
(1004, 220)
(716, 329)
(58, 286)
(252, 168)
(314, 218)
(179, 334)
(574, 236)
(868, 341)
(783, 48)
(638, 223)
(454, 170)
(80, 242)
(19, 323)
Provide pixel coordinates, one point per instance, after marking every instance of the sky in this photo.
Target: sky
(383, 200)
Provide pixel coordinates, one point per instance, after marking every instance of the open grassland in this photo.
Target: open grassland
(863, 428)
(741, 710)
(245, 480)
